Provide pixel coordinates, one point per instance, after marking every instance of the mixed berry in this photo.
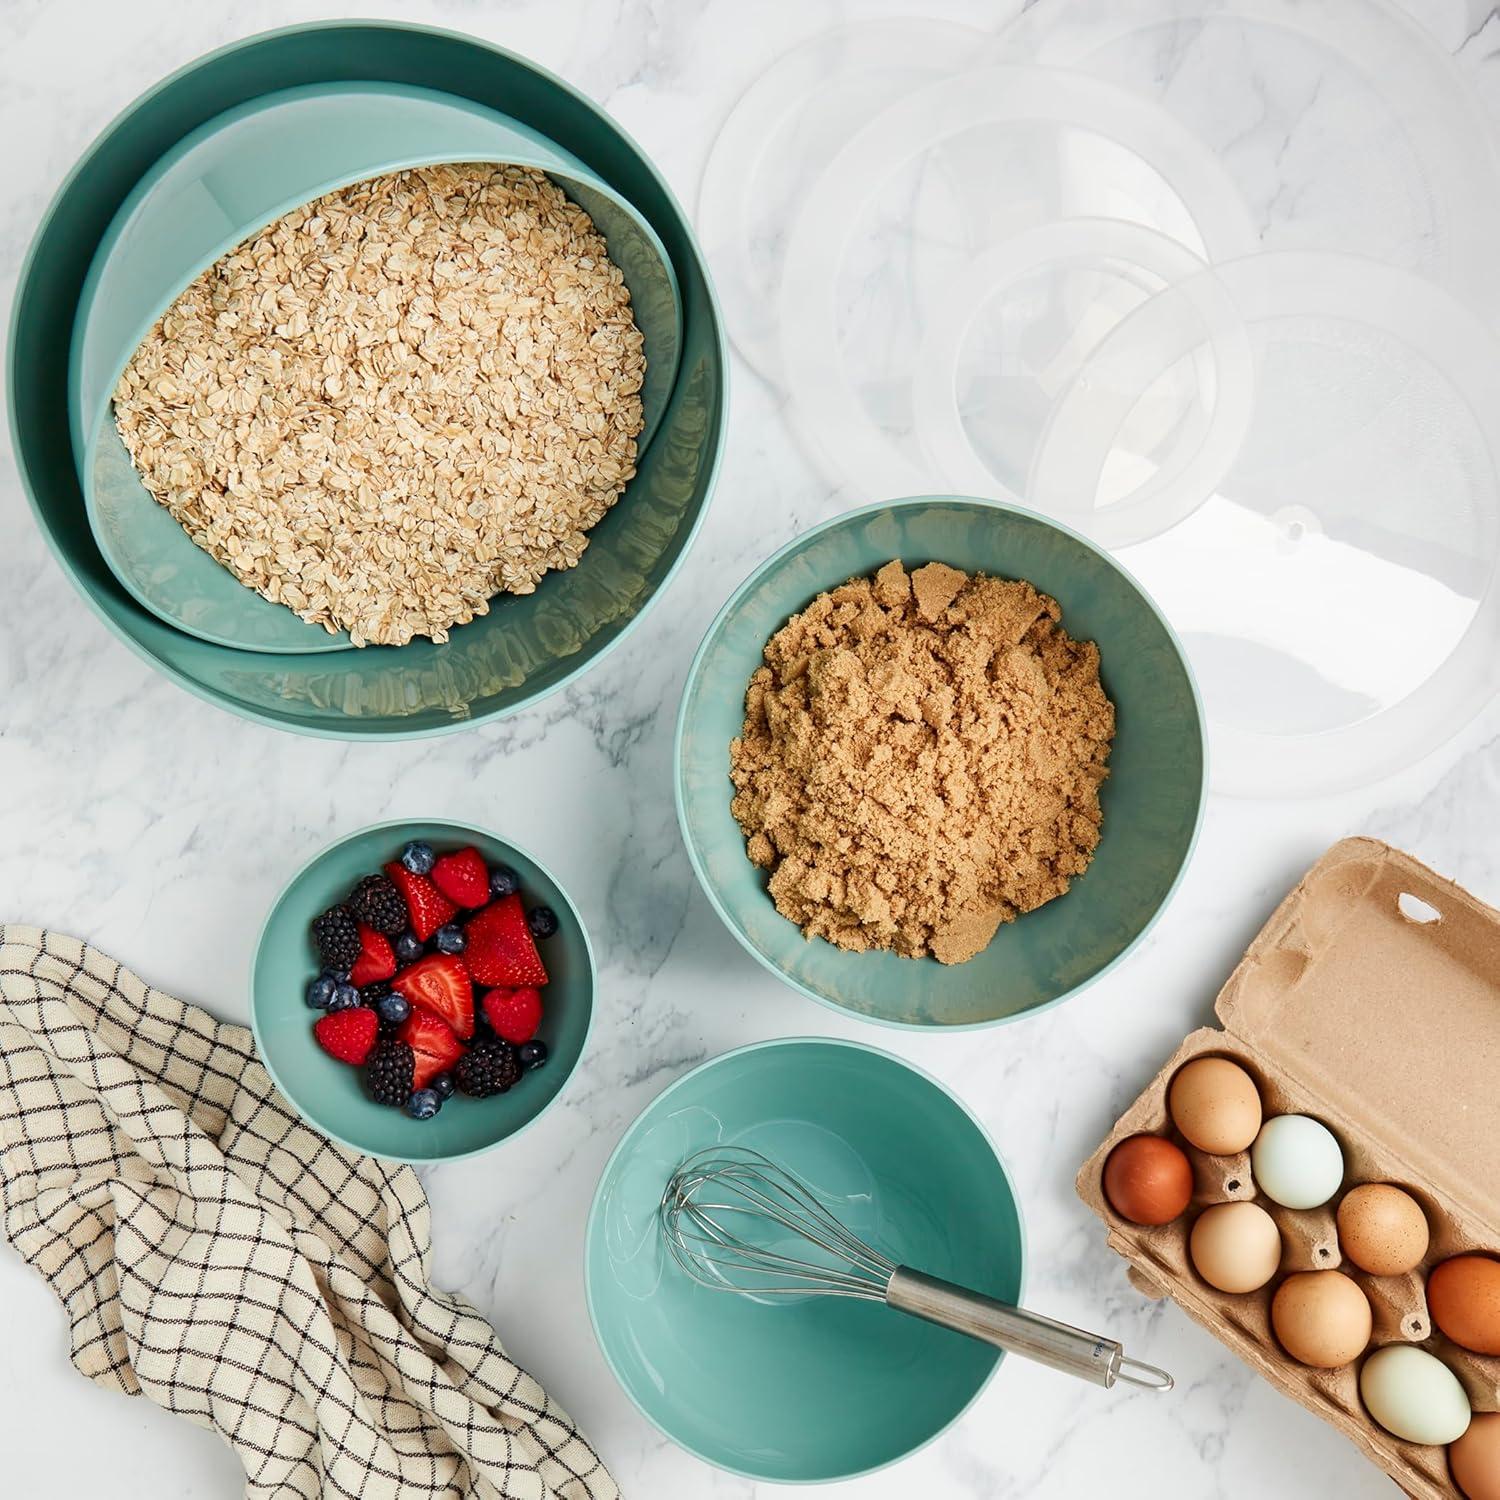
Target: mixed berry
(431, 979)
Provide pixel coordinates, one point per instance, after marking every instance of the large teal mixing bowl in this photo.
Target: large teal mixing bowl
(1152, 800)
(815, 1388)
(525, 647)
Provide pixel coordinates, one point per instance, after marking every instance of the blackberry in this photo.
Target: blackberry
(490, 1066)
(388, 1072)
(337, 937)
(376, 991)
(378, 904)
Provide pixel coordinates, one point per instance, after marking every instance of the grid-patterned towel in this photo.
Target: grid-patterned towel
(216, 1253)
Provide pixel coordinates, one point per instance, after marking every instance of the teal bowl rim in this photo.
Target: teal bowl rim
(466, 830)
(191, 685)
(596, 1211)
(908, 502)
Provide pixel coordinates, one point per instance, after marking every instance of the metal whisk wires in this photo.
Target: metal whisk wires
(727, 1208)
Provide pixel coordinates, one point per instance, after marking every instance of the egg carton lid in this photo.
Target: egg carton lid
(1376, 985)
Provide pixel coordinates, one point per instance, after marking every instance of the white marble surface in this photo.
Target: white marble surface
(159, 828)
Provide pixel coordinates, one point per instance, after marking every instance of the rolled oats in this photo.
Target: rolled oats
(395, 402)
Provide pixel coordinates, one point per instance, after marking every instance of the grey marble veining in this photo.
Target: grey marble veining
(160, 829)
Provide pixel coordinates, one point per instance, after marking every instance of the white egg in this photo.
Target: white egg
(1296, 1161)
(1414, 1395)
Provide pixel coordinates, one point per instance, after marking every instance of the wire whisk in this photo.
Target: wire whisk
(735, 1221)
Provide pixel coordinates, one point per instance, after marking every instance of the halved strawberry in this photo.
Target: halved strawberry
(376, 959)
(427, 906)
(434, 1047)
(514, 1014)
(463, 877)
(348, 1034)
(501, 950)
(441, 983)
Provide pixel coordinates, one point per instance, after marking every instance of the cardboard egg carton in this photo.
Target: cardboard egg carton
(1371, 1001)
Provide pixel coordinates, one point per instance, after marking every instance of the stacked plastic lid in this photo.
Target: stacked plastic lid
(1212, 281)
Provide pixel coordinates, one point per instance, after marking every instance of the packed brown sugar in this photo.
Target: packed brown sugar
(921, 760)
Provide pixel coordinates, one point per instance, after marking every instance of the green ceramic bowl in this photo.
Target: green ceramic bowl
(818, 1388)
(525, 647)
(329, 1093)
(215, 188)
(1153, 799)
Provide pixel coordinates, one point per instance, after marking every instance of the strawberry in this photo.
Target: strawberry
(434, 1047)
(500, 949)
(348, 1034)
(514, 1014)
(441, 983)
(427, 906)
(375, 961)
(463, 877)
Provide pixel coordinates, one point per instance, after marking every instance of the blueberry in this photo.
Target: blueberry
(533, 1054)
(408, 948)
(503, 881)
(345, 997)
(542, 921)
(418, 857)
(338, 976)
(320, 992)
(393, 1008)
(443, 1085)
(450, 939)
(423, 1104)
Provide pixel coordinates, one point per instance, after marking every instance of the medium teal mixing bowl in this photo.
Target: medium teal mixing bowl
(525, 647)
(1152, 799)
(817, 1388)
(218, 186)
(329, 1094)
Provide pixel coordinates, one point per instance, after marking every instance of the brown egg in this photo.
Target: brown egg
(1235, 1247)
(1322, 1318)
(1382, 1230)
(1474, 1459)
(1463, 1296)
(1216, 1106)
(1148, 1180)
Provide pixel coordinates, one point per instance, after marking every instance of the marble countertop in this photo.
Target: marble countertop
(159, 829)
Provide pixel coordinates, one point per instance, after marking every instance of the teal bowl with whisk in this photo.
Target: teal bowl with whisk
(805, 1389)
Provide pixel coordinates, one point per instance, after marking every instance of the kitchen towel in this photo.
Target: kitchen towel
(215, 1252)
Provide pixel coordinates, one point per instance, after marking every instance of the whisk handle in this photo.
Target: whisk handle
(1071, 1350)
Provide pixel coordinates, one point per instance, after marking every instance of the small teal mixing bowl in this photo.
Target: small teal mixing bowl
(525, 647)
(813, 1388)
(1152, 800)
(330, 1094)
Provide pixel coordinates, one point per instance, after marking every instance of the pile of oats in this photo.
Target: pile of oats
(397, 401)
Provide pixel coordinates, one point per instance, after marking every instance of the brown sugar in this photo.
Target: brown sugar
(921, 760)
